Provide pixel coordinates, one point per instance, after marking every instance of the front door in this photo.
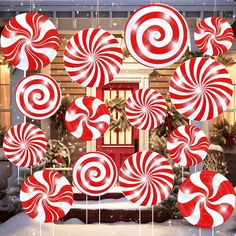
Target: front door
(118, 145)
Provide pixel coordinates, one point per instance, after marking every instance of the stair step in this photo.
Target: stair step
(112, 216)
(109, 195)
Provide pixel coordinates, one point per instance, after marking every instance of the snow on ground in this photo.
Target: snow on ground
(22, 225)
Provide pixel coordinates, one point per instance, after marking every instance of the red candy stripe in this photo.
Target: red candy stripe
(87, 118)
(93, 57)
(146, 109)
(46, 196)
(24, 145)
(187, 145)
(206, 199)
(29, 41)
(156, 35)
(146, 178)
(201, 89)
(94, 173)
(38, 96)
(214, 36)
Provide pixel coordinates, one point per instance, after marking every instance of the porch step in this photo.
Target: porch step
(121, 215)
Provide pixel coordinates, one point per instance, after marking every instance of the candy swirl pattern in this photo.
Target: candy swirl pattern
(24, 145)
(38, 96)
(206, 199)
(146, 178)
(187, 145)
(29, 41)
(146, 109)
(156, 35)
(214, 36)
(87, 118)
(93, 57)
(94, 173)
(46, 196)
(201, 89)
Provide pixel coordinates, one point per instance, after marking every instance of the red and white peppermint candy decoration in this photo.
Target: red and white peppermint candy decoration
(187, 145)
(156, 35)
(46, 196)
(201, 89)
(87, 118)
(206, 199)
(24, 145)
(146, 109)
(94, 173)
(146, 178)
(214, 36)
(93, 57)
(29, 41)
(38, 96)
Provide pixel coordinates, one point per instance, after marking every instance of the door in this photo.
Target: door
(118, 145)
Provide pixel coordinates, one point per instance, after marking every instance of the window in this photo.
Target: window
(228, 14)
(7, 14)
(83, 14)
(64, 14)
(210, 13)
(119, 14)
(46, 13)
(192, 14)
(101, 14)
(5, 102)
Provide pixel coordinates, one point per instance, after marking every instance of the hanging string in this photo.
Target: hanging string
(97, 16)
(86, 211)
(200, 231)
(182, 174)
(31, 170)
(152, 220)
(195, 168)
(215, 9)
(212, 232)
(40, 229)
(99, 210)
(53, 228)
(18, 174)
(139, 216)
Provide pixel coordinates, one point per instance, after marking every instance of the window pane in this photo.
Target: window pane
(101, 14)
(228, 14)
(119, 14)
(83, 14)
(192, 14)
(230, 117)
(4, 97)
(4, 74)
(5, 119)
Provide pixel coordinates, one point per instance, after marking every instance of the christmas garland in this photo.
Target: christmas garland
(116, 107)
(2, 134)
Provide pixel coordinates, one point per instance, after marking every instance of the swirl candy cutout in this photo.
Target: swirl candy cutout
(214, 36)
(156, 35)
(93, 57)
(94, 173)
(29, 41)
(206, 199)
(201, 89)
(24, 145)
(146, 178)
(187, 145)
(46, 196)
(38, 96)
(87, 118)
(146, 109)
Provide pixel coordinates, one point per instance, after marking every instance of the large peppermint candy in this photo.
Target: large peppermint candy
(156, 35)
(46, 196)
(146, 178)
(214, 36)
(87, 118)
(93, 57)
(94, 173)
(187, 145)
(146, 109)
(24, 145)
(29, 41)
(201, 89)
(38, 96)
(206, 199)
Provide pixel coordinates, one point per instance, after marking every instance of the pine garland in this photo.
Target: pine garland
(116, 107)
(3, 131)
